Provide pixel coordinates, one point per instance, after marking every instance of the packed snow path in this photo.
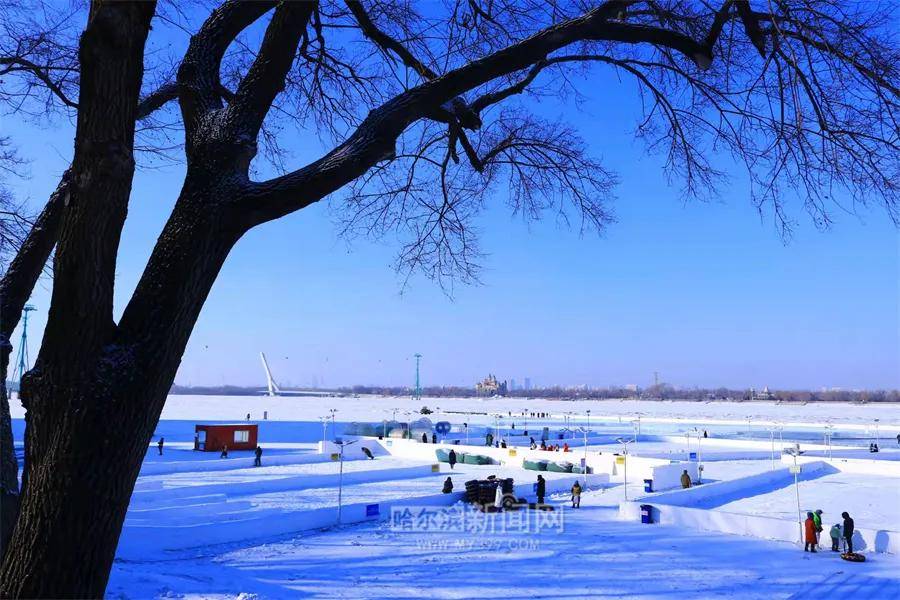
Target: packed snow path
(594, 556)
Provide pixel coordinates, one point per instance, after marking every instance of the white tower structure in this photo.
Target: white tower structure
(272, 387)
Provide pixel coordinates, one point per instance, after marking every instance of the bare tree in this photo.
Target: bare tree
(425, 109)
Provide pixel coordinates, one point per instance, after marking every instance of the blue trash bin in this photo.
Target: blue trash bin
(648, 485)
(646, 513)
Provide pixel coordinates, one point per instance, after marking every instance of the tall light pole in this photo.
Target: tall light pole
(625, 443)
(772, 435)
(699, 456)
(22, 361)
(828, 433)
(333, 411)
(877, 440)
(341, 478)
(584, 465)
(418, 392)
(589, 419)
(795, 451)
(324, 421)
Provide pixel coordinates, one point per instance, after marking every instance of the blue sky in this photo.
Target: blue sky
(706, 294)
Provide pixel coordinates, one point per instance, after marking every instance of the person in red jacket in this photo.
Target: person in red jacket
(809, 533)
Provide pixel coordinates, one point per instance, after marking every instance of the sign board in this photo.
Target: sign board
(620, 460)
(372, 510)
(335, 456)
(692, 456)
(795, 469)
(435, 468)
(442, 427)
(512, 451)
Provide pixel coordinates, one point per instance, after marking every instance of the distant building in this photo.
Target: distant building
(632, 387)
(512, 385)
(489, 386)
(527, 383)
(763, 395)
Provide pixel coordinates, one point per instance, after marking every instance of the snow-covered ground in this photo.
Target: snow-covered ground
(592, 556)
(204, 527)
(872, 502)
(481, 410)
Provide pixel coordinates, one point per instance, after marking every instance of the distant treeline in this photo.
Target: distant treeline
(660, 392)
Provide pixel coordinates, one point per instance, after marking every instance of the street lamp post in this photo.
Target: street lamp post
(333, 411)
(589, 419)
(324, 421)
(584, 466)
(795, 451)
(699, 456)
(341, 478)
(625, 443)
(772, 434)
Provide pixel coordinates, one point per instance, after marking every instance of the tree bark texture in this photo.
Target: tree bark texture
(65, 538)
(15, 289)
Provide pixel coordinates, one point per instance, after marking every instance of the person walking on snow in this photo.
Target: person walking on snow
(809, 533)
(451, 458)
(541, 489)
(224, 452)
(434, 438)
(685, 480)
(160, 443)
(848, 531)
(836, 533)
(576, 495)
(817, 519)
(424, 438)
(448, 486)
(257, 462)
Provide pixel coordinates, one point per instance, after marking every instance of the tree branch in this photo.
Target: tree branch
(17, 63)
(374, 139)
(198, 75)
(266, 76)
(386, 42)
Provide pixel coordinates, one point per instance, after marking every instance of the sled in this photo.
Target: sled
(853, 557)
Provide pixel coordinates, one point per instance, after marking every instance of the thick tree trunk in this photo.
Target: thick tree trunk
(64, 542)
(15, 289)
(85, 453)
